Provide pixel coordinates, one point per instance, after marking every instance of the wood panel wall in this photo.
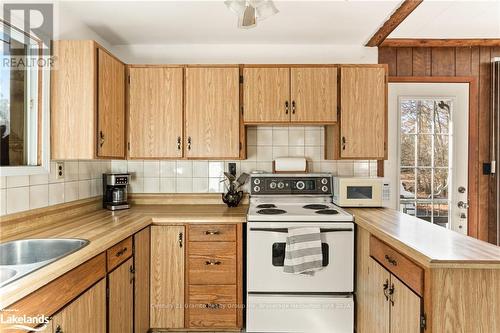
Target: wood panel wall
(460, 61)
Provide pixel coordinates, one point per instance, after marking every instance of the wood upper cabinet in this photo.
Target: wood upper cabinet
(313, 95)
(111, 106)
(363, 103)
(266, 95)
(155, 112)
(167, 277)
(121, 298)
(87, 102)
(212, 126)
(86, 314)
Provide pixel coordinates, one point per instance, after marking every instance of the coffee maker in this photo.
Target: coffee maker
(114, 192)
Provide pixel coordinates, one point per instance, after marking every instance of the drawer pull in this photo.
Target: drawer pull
(213, 306)
(121, 252)
(212, 262)
(212, 232)
(391, 260)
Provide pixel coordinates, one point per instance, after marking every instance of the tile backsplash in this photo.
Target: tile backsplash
(83, 178)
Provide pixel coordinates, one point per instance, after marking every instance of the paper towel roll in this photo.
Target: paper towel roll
(290, 164)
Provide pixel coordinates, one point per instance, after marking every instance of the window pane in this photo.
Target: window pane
(424, 183)
(408, 207)
(424, 152)
(441, 150)
(407, 189)
(408, 116)
(424, 211)
(442, 116)
(441, 183)
(407, 150)
(425, 115)
(440, 214)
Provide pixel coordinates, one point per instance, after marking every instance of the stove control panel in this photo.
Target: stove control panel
(270, 184)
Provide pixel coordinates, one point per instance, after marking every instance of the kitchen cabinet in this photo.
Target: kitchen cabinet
(167, 277)
(212, 117)
(142, 252)
(87, 102)
(86, 314)
(299, 95)
(155, 112)
(121, 298)
(362, 129)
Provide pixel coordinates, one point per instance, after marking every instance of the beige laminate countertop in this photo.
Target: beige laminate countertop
(103, 229)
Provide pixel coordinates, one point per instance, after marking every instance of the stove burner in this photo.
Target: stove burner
(271, 211)
(315, 207)
(327, 212)
(266, 206)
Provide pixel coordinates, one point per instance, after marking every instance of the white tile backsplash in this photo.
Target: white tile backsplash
(83, 179)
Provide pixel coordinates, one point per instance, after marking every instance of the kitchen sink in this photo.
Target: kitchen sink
(21, 257)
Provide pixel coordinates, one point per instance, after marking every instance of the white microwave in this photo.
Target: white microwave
(358, 191)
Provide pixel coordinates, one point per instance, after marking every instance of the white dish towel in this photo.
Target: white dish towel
(303, 253)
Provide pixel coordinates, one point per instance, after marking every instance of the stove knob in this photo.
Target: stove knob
(272, 185)
(324, 181)
(300, 185)
(324, 189)
(256, 181)
(256, 188)
(281, 185)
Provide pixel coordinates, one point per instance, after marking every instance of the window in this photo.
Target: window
(425, 163)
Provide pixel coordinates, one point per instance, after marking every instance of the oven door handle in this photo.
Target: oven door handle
(285, 230)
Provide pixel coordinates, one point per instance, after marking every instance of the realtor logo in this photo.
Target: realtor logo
(38, 24)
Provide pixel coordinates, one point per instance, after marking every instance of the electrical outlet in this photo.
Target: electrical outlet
(59, 170)
(232, 168)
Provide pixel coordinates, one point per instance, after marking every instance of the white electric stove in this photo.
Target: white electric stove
(284, 302)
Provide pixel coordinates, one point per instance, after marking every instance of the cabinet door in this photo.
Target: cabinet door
(121, 298)
(110, 106)
(86, 314)
(167, 277)
(155, 112)
(266, 95)
(405, 308)
(212, 112)
(314, 95)
(363, 128)
(142, 252)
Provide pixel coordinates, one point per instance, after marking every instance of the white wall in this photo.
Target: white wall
(244, 54)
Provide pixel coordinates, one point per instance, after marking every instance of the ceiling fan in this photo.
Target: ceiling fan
(249, 11)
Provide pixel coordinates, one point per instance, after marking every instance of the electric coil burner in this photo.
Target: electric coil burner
(316, 207)
(271, 211)
(327, 212)
(266, 206)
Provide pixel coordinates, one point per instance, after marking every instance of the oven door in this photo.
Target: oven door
(266, 252)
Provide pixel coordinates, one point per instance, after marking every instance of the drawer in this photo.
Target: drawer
(119, 253)
(212, 263)
(212, 233)
(212, 306)
(399, 265)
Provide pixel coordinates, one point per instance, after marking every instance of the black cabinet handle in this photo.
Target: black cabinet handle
(121, 252)
(213, 306)
(293, 107)
(391, 260)
(212, 262)
(212, 232)
(286, 107)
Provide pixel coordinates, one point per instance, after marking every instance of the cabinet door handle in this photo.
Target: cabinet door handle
(286, 107)
(391, 294)
(181, 237)
(101, 139)
(391, 260)
(293, 107)
(386, 286)
(189, 143)
(344, 142)
(132, 274)
(121, 252)
(213, 306)
(212, 232)
(178, 143)
(58, 329)
(212, 262)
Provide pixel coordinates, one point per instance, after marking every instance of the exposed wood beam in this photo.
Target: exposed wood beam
(415, 42)
(394, 21)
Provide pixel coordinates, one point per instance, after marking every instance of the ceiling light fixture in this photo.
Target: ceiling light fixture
(249, 11)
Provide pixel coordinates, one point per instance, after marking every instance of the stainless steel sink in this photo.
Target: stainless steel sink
(21, 257)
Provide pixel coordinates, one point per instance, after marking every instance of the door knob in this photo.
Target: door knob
(463, 216)
(461, 189)
(463, 205)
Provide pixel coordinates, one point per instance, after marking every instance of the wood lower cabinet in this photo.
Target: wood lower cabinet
(167, 277)
(142, 255)
(121, 298)
(87, 102)
(212, 116)
(86, 314)
(155, 112)
(406, 308)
